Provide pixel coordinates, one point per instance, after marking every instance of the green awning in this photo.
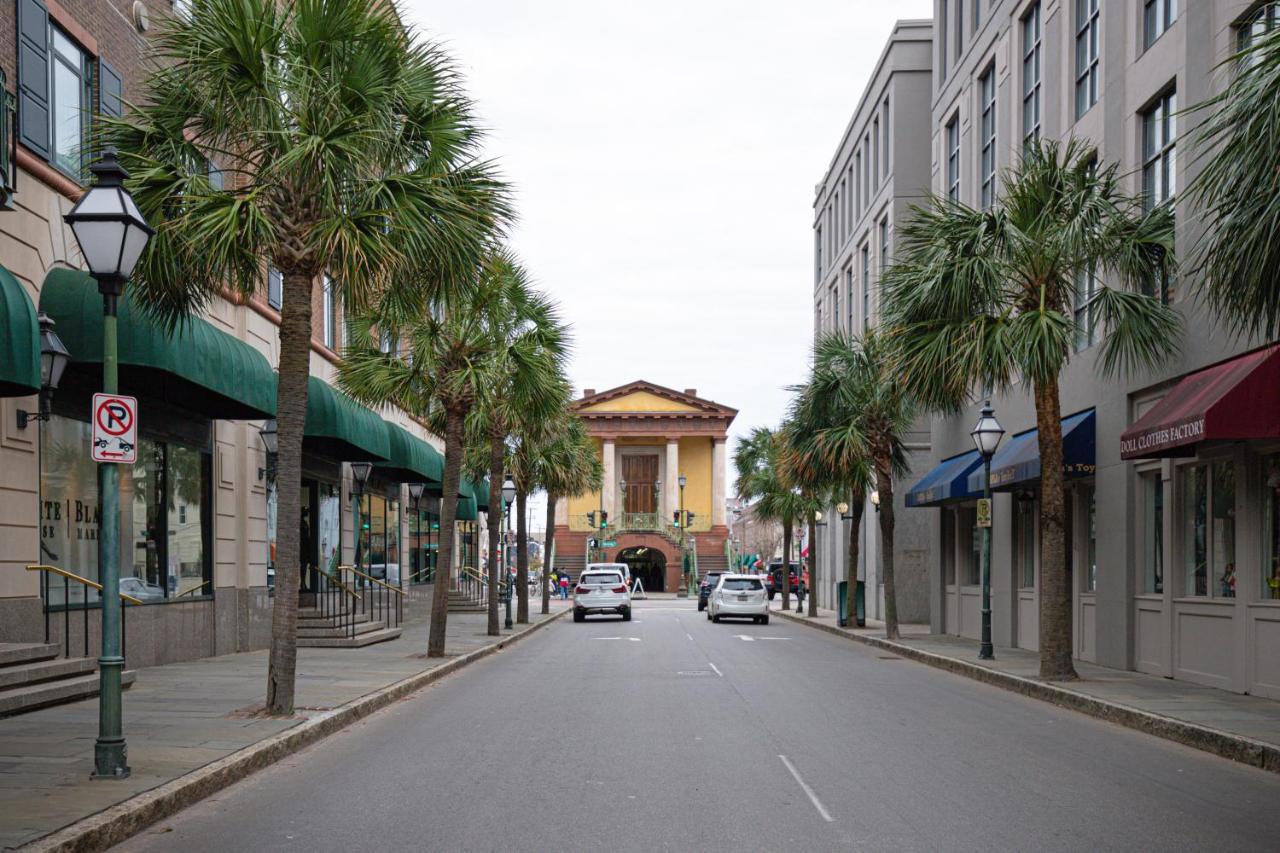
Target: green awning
(340, 428)
(411, 460)
(19, 340)
(481, 490)
(196, 366)
(467, 509)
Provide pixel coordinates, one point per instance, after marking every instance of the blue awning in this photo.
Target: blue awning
(947, 482)
(1019, 460)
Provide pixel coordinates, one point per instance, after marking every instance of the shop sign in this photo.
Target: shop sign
(115, 429)
(608, 543)
(984, 512)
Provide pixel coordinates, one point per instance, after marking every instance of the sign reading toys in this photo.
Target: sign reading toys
(115, 429)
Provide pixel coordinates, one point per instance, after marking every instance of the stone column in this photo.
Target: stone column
(610, 481)
(671, 482)
(717, 483)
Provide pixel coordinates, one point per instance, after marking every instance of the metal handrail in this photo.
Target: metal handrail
(75, 577)
(356, 571)
(342, 586)
(201, 585)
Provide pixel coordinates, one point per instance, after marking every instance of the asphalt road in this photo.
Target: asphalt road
(671, 733)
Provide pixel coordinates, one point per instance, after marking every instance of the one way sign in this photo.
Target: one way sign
(115, 429)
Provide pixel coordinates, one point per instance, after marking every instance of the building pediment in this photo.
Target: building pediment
(643, 399)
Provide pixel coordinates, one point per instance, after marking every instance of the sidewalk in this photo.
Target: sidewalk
(1236, 726)
(182, 717)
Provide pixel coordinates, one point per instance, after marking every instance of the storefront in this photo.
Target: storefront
(960, 590)
(1206, 460)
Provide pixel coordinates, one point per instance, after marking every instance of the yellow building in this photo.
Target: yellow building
(663, 452)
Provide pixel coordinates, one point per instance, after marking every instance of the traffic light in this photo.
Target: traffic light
(675, 518)
(604, 519)
(591, 519)
(591, 543)
(688, 519)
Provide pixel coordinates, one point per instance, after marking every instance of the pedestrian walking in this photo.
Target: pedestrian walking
(564, 587)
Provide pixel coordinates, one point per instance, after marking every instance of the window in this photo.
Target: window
(1257, 24)
(866, 287)
(330, 318)
(182, 8)
(840, 215)
(1152, 490)
(165, 516)
(959, 30)
(942, 41)
(953, 158)
(1089, 502)
(1087, 49)
(1031, 77)
(1025, 523)
(949, 528)
(1271, 531)
(875, 147)
(835, 307)
(987, 91)
(1157, 16)
(8, 177)
(1085, 314)
(848, 298)
(817, 253)
(1160, 164)
(70, 92)
(857, 190)
(866, 175)
(423, 538)
(1208, 543)
(213, 173)
(884, 244)
(378, 546)
(275, 288)
(973, 563)
(885, 131)
(848, 201)
(977, 15)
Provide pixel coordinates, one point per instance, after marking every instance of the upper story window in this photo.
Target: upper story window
(1160, 164)
(942, 40)
(953, 158)
(182, 8)
(835, 306)
(885, 131)
(1157, 16)
(875, 146)
(330, 318)
(884, 245)
(1031, 46)
(848, 298)
(987, 92)
(977, 14)
(1256, 24)
(866, 175)
(959, 30)
(1088, 34)
(866, 287)
(857, 190)
(275, 288)
(817, 253)
(70, 91)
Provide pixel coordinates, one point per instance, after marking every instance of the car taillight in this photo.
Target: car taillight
(582, 590)
(619, 589)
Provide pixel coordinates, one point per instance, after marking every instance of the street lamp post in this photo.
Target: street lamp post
(53, 361)
(508, 496)
(112, 233)
(986, 435)
(683, 591)
(415, 494)
(360, 472)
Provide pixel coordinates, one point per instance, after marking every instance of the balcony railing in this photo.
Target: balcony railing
(642, 521)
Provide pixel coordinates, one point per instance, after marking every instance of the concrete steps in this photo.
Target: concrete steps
(381, 634)
(341, 631)
(33, 676)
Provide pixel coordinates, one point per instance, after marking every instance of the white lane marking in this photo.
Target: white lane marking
(773, 638)
(745, 638)
(690, 636)
(813, 798)
(632, 639)
(716, 668)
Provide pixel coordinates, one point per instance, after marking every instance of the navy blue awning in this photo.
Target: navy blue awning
(947, 482)
(1019, 460)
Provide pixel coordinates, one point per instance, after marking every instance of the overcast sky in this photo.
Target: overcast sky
(664, 157)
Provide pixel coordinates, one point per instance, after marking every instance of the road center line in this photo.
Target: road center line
(813, 798)
(716, 669)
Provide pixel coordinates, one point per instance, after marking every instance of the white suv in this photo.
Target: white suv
(601, 592)
(739, 595)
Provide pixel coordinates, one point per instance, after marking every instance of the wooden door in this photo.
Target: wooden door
(641, 476)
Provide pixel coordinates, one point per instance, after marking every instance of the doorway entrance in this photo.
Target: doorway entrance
(647, 564)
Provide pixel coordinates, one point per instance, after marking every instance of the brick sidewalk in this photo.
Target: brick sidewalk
(1175, 709)
(181, 717)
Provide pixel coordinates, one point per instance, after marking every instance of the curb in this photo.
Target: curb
(123, 820)
(1256, 753)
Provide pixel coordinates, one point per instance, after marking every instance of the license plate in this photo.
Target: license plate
(742, 598)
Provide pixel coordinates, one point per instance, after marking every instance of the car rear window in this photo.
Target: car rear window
(600, 578)
(742, 584)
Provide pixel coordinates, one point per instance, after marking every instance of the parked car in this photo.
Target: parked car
(621, 568)
(140, 589)
(774, 583)
(601, 592)
(739, 596)
(709, 582)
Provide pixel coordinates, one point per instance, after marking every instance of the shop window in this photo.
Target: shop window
(378, 551)
(424, 541)
(1271, 532)
(1025, 541)
(165, 516)
(949, 530)
(1208, 500)
(972, 555)
(1152, 490)
(1089, 502)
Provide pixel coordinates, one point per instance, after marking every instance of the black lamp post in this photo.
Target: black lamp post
(683, 591)
(360, 472)
(53, 360)
(415, 495)
(508, 497)
(111, 233)
(986, 435)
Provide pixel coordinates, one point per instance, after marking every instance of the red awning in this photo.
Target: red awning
(1232, 401)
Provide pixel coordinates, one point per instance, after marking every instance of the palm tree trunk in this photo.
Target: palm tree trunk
(813, 563)
(522, 557)
(786, 566)
(291, 419)
(884, 485)
(496, 447)
(548, 541)
(856, 507)
(448, 518)
(1055, 588)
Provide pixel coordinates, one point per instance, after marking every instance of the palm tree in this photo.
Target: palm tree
(828, 447)
(565, 463)
(762, 480)
(1235, 192)
(984, 299)
(345, 148)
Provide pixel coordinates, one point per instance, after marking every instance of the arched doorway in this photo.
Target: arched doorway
(649, 565)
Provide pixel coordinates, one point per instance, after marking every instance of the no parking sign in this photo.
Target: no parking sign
(115, 429)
